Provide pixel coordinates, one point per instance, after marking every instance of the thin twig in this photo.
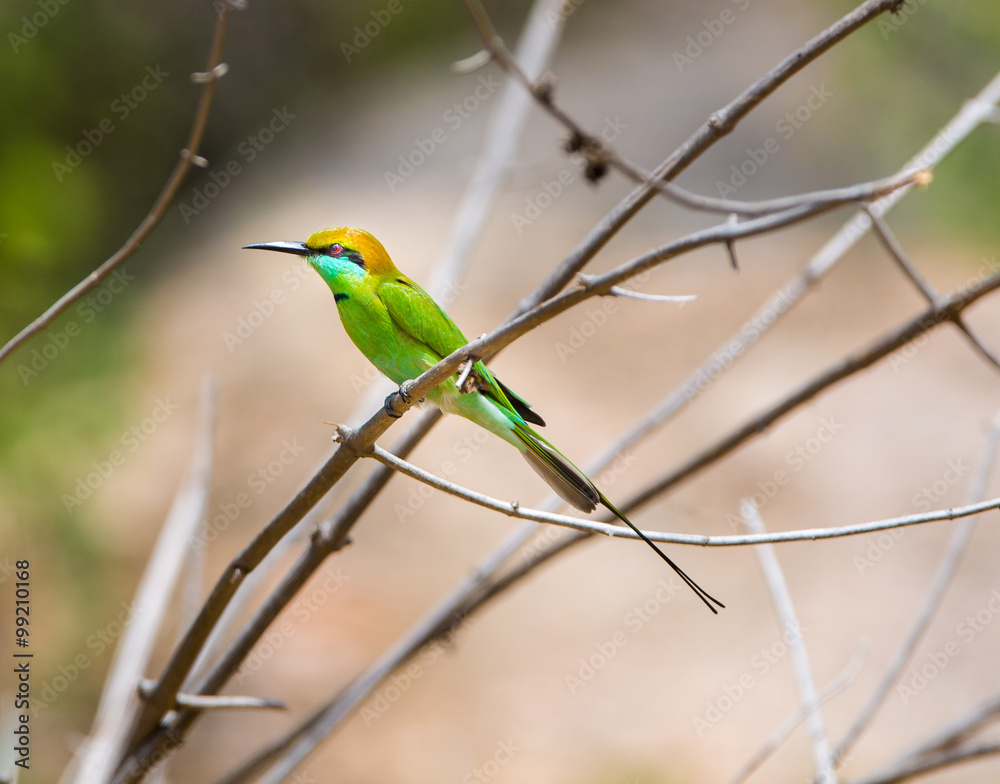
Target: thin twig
(919, 768)
(896, 252)
(188, 158)
(535, 50)
(946, 570)
(947, 310)
(600, 154)
(737, 345)
(152, 599)
(716, 126)
(513, 509)
(792, 632)
(787, 727)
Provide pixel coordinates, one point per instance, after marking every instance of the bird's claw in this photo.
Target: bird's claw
(389, 409)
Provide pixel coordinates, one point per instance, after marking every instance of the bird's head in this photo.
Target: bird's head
(339, 255)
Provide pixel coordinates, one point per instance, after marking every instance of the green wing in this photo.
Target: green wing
(416, 313)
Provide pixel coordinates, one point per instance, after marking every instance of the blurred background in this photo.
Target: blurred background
(98, 101)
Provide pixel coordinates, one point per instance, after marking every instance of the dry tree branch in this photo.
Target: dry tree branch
(189, 157)
(600, 154)
(913, 768)
(118, 703)
(718, 125)
(947, 310)
(785, 730)
(956, 548)
(781, 597)
(944, 741)
(896, 252)
(616, 530)
(972, 114)
(535, 50)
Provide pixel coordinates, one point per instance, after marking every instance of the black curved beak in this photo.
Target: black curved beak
(296, 248)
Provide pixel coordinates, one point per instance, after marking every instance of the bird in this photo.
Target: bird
(403, 332)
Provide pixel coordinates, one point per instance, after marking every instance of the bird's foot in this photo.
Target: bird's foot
(389, 408)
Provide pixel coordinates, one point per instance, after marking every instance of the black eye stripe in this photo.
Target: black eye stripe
(354, 257)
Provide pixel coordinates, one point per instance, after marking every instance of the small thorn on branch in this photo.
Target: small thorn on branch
(204, 77)
(473, 63)
(213, 701)
(196, 160)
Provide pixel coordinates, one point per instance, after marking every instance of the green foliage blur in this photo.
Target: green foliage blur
(910, 73)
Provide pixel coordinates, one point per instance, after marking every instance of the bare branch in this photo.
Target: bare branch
(792, 633)
(896, 252)
(947, 310)
(946, 570)
(613, 530)
(535, 50)
(188, 158)
(972, 114)
(118, 702)
(785, 730)
(718, 125)
(919, 768)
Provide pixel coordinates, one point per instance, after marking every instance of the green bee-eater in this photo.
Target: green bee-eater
(403, 332)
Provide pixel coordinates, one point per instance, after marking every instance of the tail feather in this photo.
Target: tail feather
(571, 484)
(574, 487)
(700, 592)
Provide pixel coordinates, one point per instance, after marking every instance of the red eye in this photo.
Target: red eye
(336, 249)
